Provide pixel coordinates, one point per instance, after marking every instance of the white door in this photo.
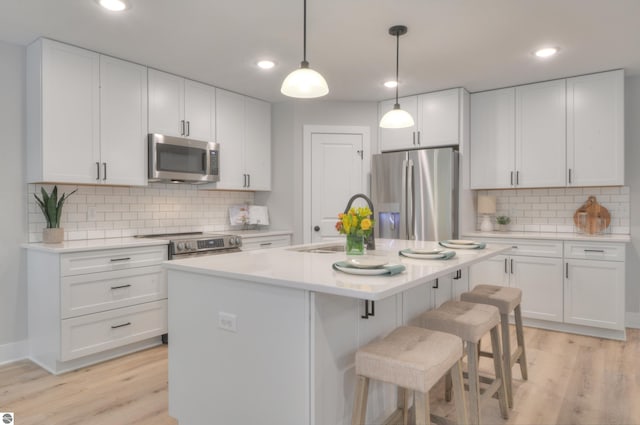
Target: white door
(540, 280)
(230, 129)
(494, 271)
(166, 103)
(336, 167)
(257, 144)
(439, 123)
(199, 111)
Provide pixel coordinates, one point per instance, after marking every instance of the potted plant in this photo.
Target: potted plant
(51, 207)
(503, 221)
(355, 224)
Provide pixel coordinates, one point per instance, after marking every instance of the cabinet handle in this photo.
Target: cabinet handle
(512, 266)
(97, 171)
(121, 326)
(418, 138)
(266, 243)
(369, 312)
(113, 260)
(244, 181)
(505, 266)
(120, 286)
(248, 180)
(104, 166)
(182, 127)
(414, 138)
(436, 285)
(569, 175)
(517, 178)
(512, 178)
(566, 270)
(595, 250)
(188, 128)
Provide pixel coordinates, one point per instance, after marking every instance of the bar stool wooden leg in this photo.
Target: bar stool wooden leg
(498, 366)
(447, 387)
(360, 401)
(522, 357)
(458, 393)
(506, 357)
(423, 412)
(404, 395)
(474, 383)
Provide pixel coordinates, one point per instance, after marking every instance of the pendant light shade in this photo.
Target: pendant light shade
(397, 118)
(304, 82)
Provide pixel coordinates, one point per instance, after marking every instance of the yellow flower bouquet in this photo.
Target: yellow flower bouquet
(356, 224)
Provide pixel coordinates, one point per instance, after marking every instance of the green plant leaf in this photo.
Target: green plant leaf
(43, 207)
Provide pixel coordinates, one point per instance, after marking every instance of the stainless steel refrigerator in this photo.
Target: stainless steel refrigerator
(415, 194)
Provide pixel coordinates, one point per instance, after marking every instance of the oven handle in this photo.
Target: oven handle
(204, 253)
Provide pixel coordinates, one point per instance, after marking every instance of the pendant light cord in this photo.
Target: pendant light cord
(304, 31)
(397, 62)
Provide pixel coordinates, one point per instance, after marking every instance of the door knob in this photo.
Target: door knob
(316, 228)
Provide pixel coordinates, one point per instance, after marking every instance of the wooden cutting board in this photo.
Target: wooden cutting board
(592, 217)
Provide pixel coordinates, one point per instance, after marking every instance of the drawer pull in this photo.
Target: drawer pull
(121, 286)
(595, 250)
(266, 243)
(514, 246)
(121, 326)
(512, 266)
(506, 271)
(566, 270)
(113, 260)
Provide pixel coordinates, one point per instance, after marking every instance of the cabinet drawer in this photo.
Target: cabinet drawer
(262, 242)
(93, 293)
(112, 259)
(595, 251)
(93, 333)
(533, 248)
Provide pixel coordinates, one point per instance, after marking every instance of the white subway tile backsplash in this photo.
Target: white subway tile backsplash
(129, 211)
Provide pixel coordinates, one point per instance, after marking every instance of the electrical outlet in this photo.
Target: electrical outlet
(91, 213)
(227, 321)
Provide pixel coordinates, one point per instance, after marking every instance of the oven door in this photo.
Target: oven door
(182, 160)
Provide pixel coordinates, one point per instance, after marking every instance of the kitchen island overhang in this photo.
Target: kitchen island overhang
(270, 336)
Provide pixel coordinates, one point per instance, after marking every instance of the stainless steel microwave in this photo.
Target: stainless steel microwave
(181, 160)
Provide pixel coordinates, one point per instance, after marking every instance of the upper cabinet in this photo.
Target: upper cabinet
(244, 135)
(595, 129)
(437, 119)
(550, 134)
(180, 107)
(86, 120)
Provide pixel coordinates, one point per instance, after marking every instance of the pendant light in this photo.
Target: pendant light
(304, 82)
(397, 118)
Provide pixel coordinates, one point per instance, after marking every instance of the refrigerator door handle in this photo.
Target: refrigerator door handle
(404, 227)
(411, 208)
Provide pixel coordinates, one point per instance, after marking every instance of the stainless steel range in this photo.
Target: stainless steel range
(195, 244)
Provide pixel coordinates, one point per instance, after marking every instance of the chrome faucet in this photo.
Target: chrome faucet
(370, 240)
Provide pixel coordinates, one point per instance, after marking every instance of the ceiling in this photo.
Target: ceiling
(476, 44)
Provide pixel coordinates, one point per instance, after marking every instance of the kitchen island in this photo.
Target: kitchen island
(270, 336)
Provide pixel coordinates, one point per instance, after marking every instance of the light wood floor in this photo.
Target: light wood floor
(572, 380)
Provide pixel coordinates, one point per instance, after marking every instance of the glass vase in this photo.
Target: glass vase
(355, 245)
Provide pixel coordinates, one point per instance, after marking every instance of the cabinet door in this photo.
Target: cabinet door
(257, 144)
(166, 103)
(492, 145)
(439, 122)
(460, 283)
(540, 280)
(442, 290)
(494, 271)
(70, 113)
(230, 124)
(199, 111)
(541, 134)
(595, 129)
(594, 293)
(123, 122)
(393, 139)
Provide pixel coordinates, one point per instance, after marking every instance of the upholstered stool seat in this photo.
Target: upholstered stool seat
(507, 300)
(414, 359)
(471, 322)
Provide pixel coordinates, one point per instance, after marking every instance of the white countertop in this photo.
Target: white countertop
(94, 244)
(312, 271)
(549, 236)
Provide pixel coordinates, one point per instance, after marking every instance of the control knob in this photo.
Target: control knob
(232, 241)
(180, 246)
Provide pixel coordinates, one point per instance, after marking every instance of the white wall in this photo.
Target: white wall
(13, 317)
(288, 120)
(632, 179)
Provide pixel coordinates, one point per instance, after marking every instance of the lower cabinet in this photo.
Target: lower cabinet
(256, 241)
(569, 283)
(86, 307)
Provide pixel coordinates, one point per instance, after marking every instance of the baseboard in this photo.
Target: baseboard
(632, 320)
(14, 351)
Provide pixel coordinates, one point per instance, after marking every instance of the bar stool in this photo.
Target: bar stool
(414, 359)
(471, 322)
(506, 300)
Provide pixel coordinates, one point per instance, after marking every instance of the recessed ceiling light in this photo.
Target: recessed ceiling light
(114, 5)
(266, 64)
(546, 52)
(390, 84)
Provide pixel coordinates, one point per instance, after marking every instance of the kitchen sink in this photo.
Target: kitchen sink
(329, 249)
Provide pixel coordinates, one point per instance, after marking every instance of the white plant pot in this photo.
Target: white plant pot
(52, 235)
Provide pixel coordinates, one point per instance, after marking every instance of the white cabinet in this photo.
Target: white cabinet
(594, 285)
(256, 241)
(180, 107)
(438, 118)
(595, 129)
(538, 276)
(244, 135)
(87, 114)
(85, 307)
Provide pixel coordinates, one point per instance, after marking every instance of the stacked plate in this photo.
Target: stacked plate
(367, 266)
(462, 244)
(427, 253)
